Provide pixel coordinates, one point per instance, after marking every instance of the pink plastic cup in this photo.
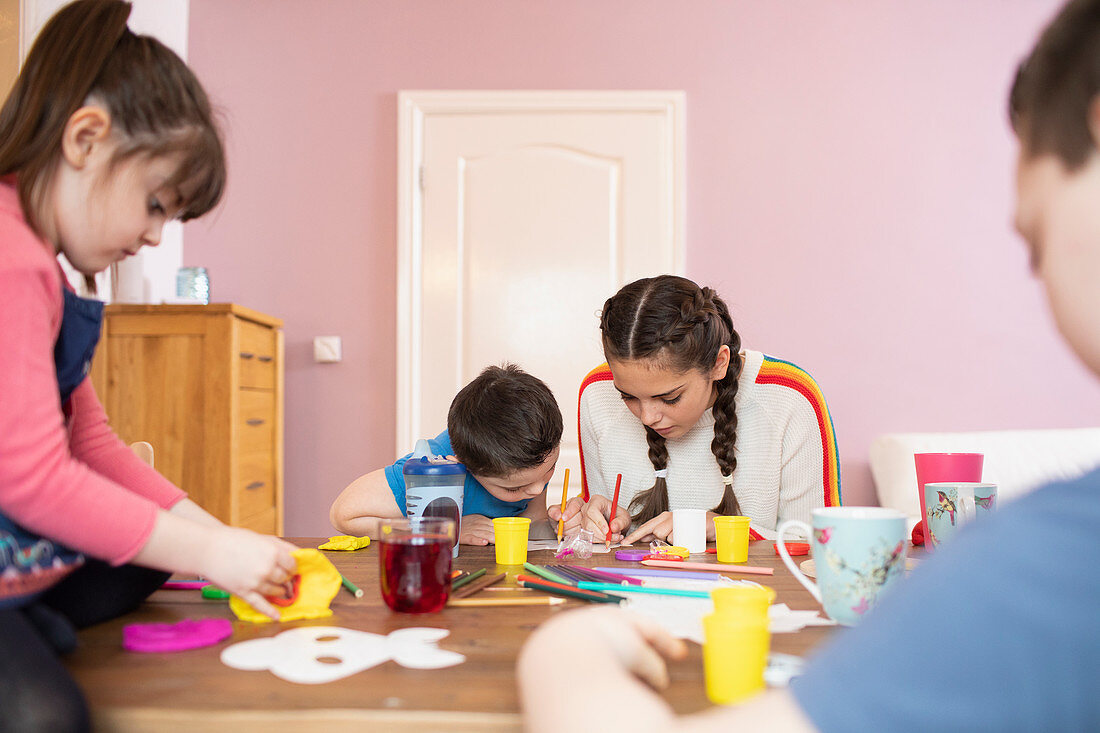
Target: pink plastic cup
(936, 467)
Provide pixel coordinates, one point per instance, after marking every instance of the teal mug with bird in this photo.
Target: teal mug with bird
(858, 553)
(948, 505)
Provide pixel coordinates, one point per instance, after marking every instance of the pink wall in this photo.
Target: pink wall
(849, 192)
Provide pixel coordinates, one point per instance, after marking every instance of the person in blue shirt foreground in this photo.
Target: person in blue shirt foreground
(996, 631)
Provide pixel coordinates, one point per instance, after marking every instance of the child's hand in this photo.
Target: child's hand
(249, 565)
(596, 513)
(476, 530)
(659, 527)
(605, 637)
(574, 514)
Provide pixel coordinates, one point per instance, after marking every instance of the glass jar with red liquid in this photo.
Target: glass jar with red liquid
(415, 563)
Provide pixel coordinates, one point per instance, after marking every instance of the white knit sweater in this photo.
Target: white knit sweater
(786, 452)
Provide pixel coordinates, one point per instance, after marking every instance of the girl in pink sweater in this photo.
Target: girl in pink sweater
(105, 136)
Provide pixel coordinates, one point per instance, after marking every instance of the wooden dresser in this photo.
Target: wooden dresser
(204, 385)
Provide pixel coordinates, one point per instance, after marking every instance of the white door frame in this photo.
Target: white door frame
(413, 107)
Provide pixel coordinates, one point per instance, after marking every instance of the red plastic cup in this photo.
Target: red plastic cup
(936, 467)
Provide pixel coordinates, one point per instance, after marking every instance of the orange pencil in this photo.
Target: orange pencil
(564, 495)
(614, 507)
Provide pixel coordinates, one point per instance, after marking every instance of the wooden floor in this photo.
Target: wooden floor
(193, 691)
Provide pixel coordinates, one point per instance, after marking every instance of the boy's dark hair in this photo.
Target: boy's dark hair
(85, 53)
(504, 421)
(1056, 83)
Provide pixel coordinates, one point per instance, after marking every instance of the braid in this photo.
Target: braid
(725, 408)
(654, 500)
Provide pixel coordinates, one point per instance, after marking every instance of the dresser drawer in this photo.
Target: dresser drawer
(255, 452)
(257, 355)
(256, 491)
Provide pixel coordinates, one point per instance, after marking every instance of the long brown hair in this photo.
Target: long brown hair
(86, 54)
(684, 326)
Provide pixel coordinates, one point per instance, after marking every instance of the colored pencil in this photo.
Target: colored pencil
(614, 507)
(477, 585)
(747, 569)
(653, 573)
(563, 586)
(352, 588)
(455, 585)
(571, 576)
(524, 601)
(613, 588)
(563, 590)
(606, 577)
(457, 573)
(564, 496)
(547, 573)
(506, 589)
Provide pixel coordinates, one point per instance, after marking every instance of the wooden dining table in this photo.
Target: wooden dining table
(194, 691)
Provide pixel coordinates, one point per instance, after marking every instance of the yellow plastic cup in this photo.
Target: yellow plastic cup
(745, 601)
(511, 539)
(732, 537)
(735, 652)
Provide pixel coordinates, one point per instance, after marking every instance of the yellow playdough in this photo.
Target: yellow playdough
(345, 542)
(319, 584)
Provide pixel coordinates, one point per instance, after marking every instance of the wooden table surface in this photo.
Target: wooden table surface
(193, 690)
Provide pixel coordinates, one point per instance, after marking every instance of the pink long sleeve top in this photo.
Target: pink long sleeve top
(70, 480)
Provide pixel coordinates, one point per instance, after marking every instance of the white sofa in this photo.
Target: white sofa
(1016, 460)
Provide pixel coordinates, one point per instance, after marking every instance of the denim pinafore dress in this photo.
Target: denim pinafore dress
(29, 563)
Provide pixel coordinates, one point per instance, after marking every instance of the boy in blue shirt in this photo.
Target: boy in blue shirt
(995, 631)
(505, 427)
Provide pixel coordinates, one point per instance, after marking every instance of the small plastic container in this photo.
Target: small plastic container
(433, 488)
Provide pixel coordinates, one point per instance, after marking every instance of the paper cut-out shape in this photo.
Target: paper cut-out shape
(345, 542)
(318, 585)
(296, 655)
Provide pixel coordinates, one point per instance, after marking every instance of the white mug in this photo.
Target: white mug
(689, 529)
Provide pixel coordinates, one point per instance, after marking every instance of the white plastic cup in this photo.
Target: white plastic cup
(689, 529)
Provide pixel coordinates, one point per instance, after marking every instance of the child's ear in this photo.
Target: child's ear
(87, 127)
(721, 364)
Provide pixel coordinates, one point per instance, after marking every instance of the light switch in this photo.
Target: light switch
(326, 349)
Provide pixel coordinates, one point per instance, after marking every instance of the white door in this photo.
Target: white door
(520, 213)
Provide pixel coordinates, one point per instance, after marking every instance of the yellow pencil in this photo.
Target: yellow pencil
(537, 601)
(564, 496)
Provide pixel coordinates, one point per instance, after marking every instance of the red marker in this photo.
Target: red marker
(614, 506)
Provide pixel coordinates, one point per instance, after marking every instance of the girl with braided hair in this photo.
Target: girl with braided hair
(693, 420)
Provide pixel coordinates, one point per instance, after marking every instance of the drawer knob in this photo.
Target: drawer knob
(266, 359)
(246, 355)
(255, 485)
(255, 421)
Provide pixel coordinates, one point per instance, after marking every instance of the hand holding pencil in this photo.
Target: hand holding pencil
(570, 515)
